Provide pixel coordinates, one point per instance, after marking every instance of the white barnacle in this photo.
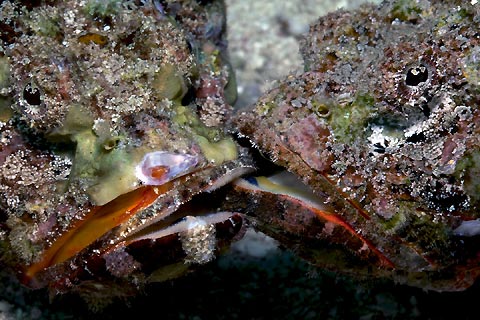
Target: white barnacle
(196, 233)
(198, 240)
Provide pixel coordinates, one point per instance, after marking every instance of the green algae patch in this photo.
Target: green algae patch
(230, 89)
(406, 10)
(454, 17)
(471, 67)
(115, 176)
(107, 171)
(4, 72)
(393, 224)
(103, 9)
(168, 272)
(218, 152)
(45, 24)
(349, 121)
(263, 108)
(6, 111)
(168, 83)
(215, 147)
(77, 120)
(430, 236)
(110, 172)
(468, 169)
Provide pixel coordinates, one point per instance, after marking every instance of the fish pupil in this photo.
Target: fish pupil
(32, 95)
(416, 75)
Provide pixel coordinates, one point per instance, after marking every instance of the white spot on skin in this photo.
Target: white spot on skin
(255, 244)
(328, 228)
(363, 248)
(468, 228)
(378, 138)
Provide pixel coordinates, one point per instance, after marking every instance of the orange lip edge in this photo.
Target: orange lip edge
(95, 224)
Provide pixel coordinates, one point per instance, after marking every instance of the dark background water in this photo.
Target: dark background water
(276, 286)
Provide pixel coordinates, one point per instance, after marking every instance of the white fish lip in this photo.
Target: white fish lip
(468, 228)
(174, 164)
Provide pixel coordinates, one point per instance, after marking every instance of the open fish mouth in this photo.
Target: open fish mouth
(116, 129)
(157, 209)
(327, 220)
(112, 119)
(387, 136)
(309, 221)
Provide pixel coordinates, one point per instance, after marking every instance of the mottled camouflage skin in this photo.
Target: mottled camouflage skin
(88, 89)
(384, 126)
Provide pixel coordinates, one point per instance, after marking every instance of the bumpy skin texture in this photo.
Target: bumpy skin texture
(88, 88)
(384, 126)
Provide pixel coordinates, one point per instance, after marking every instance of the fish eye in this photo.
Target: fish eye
(32, 94)
(416, 75)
